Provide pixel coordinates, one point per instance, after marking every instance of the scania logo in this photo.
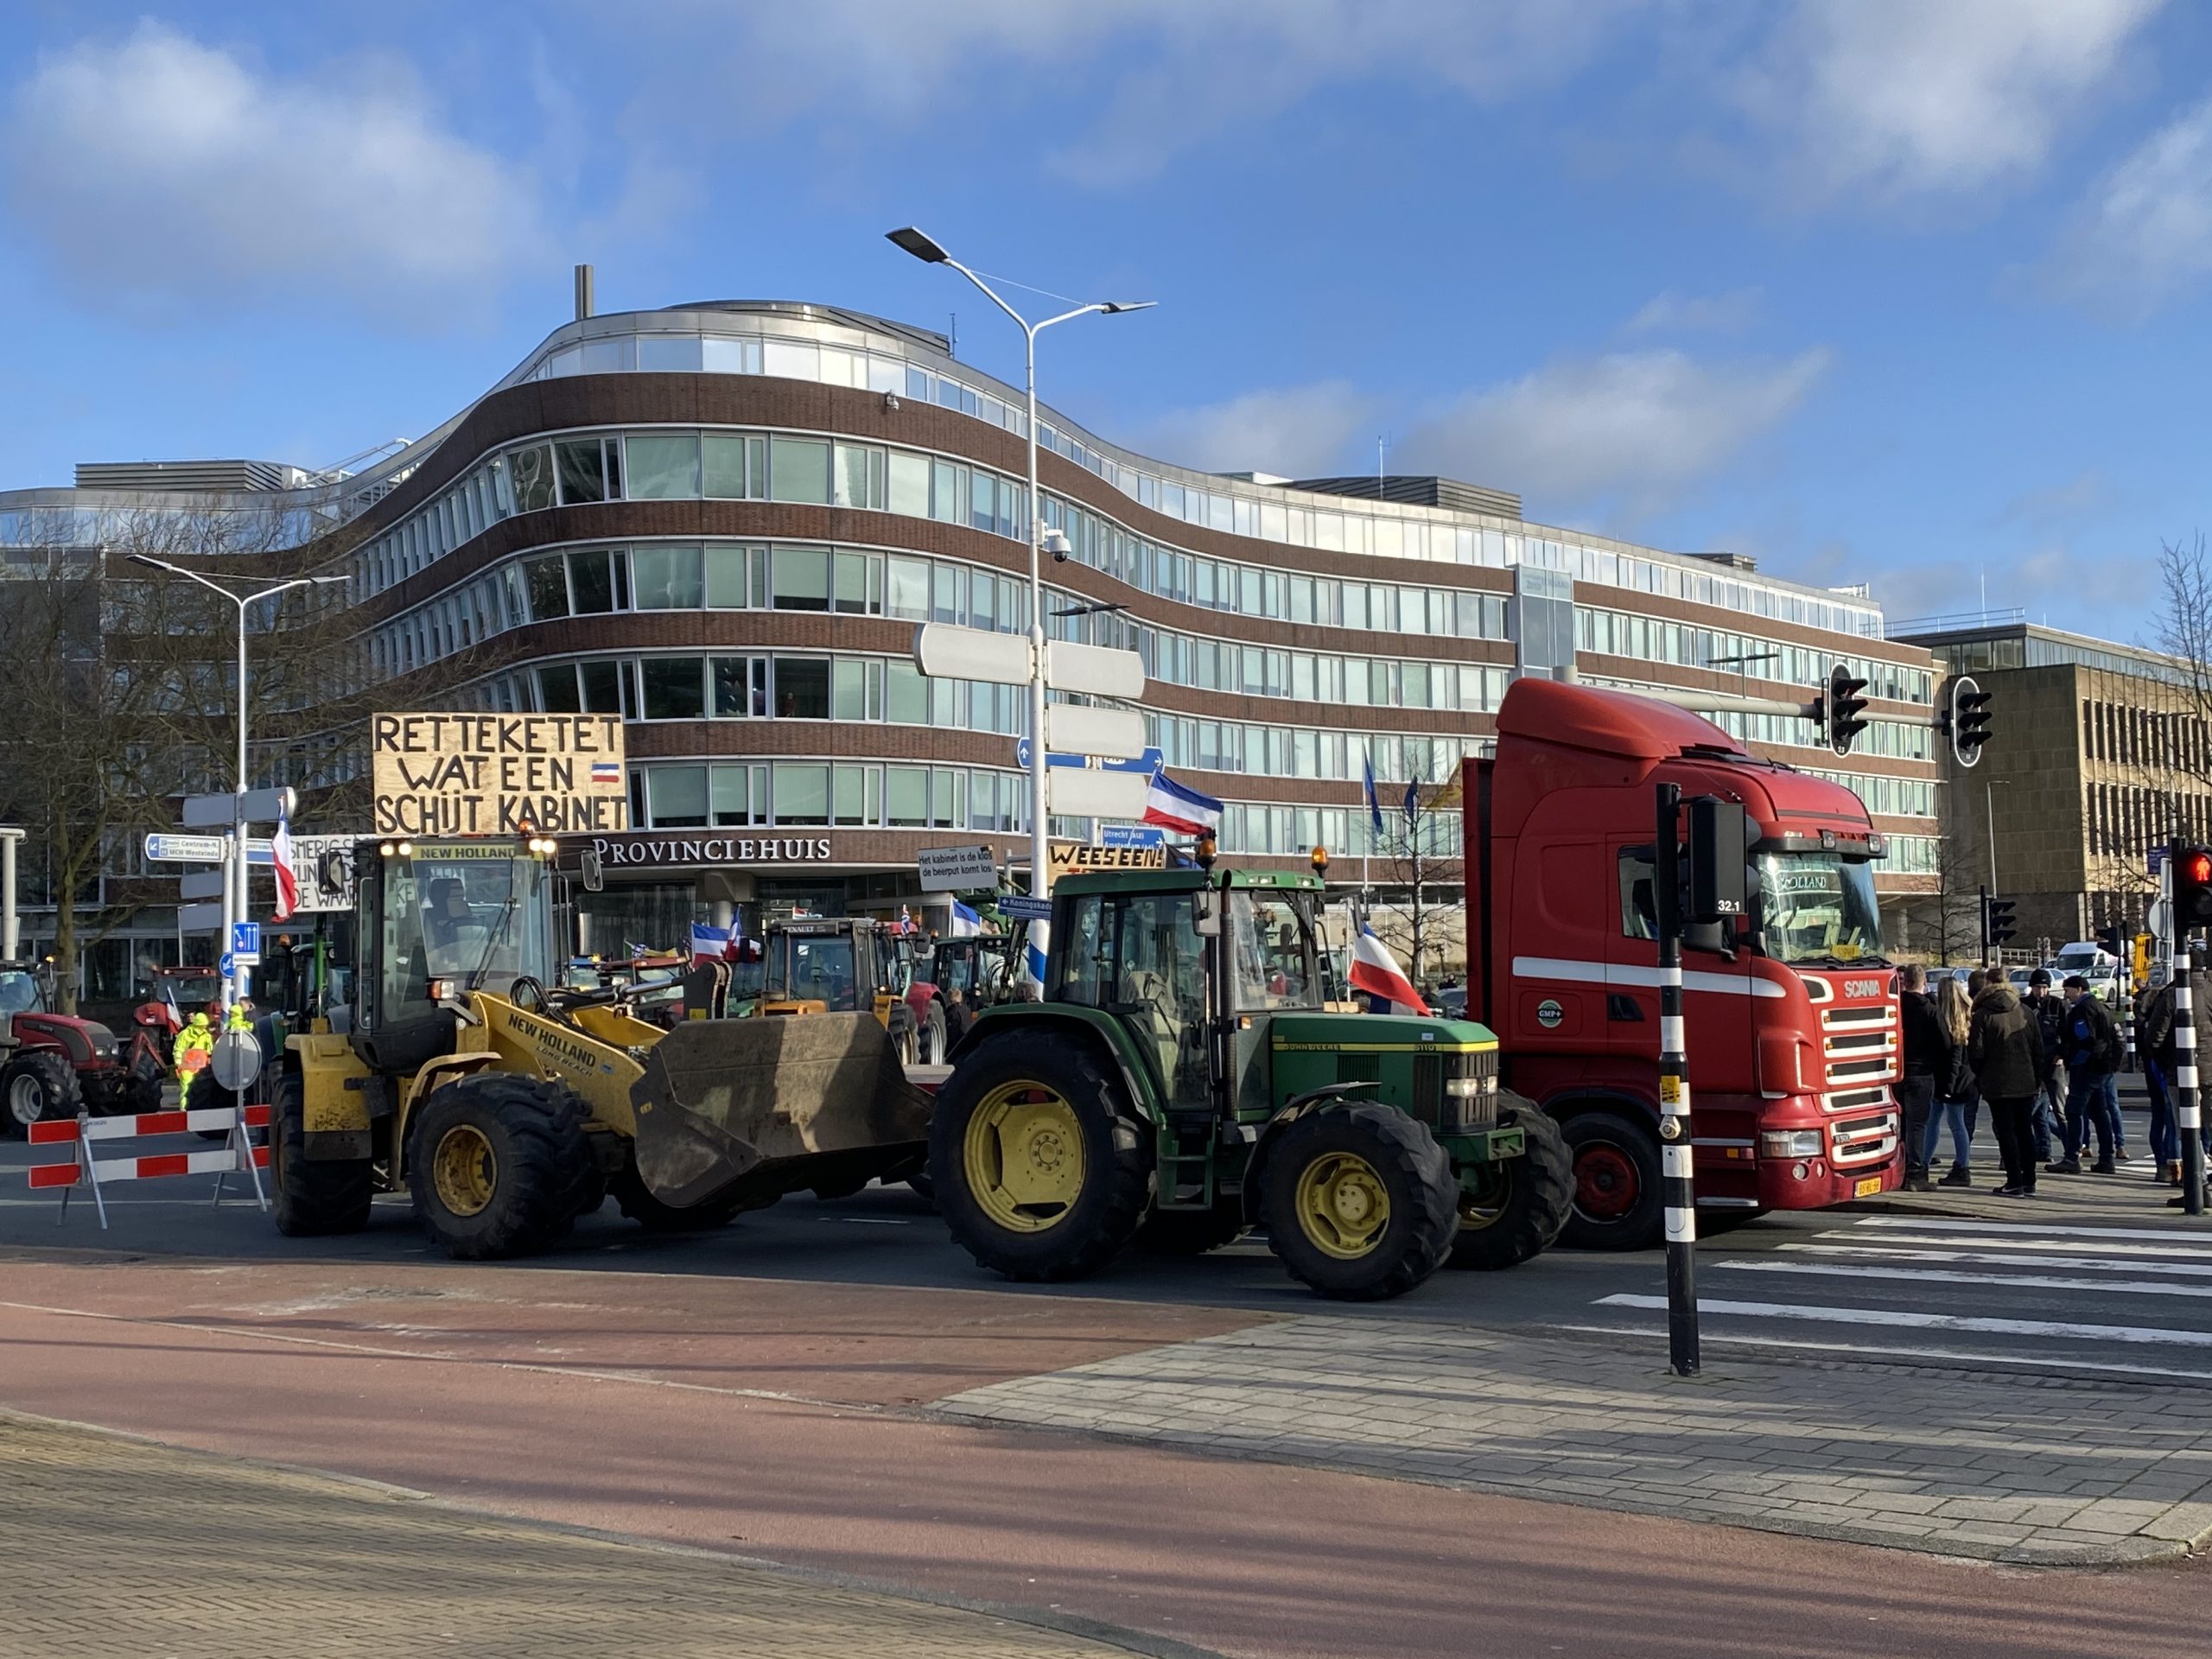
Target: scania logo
(1862, 987)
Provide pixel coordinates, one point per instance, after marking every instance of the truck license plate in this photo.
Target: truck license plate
(1867, 1187)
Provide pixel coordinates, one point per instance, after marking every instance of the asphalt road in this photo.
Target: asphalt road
(2099, 1278)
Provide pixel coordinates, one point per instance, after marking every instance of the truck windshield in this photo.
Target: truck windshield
(1818, 907)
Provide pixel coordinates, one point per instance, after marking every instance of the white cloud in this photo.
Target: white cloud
(1295, 431)
(160, 171)
(1630, 430)
(1901, 97)
(1670, 313)
(2144, 237)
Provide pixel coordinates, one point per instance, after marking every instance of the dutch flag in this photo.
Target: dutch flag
(1179, 807)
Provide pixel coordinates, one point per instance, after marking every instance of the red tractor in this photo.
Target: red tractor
(55, 1065)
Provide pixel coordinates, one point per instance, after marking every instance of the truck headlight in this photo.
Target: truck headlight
(1790, 1143)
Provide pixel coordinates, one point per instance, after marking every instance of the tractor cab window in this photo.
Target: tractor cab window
(18, 992)
(481, 922)
(1272, 936)
(817, 971)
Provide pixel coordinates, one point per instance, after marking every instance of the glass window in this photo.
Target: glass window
(602, 687)
(906, 588)
(556, 689)
(548, 581)
(793, 359)
(617, 356)
(849, 678)
(663, 466)
(799, 470)
(531, 469)
(850, 800)
(591, 576)
(726, 795)
(735, 469)
(910, 484)
(859, 477)
(952, 596)
(983, 500)
(738, 691)
(582, 468)
(905, 694)
(948, 799)
(800, 792)
(945, 498)
(676, 797)
(802, 687)
(721, 355)
(673, 688)
(725, 582)
(851, 592)
(665, 578)
(666, 354)
(802, 576)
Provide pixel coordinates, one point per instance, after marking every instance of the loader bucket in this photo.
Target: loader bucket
(749, 1109)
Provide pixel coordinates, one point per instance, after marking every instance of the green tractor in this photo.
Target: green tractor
(1181, 1082)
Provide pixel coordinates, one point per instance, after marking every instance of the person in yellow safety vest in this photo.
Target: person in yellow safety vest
(237, 1018)
(194, 1044)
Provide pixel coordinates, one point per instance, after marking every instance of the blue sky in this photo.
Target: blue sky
(1906, 291)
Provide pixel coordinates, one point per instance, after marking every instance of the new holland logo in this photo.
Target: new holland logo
(1862, 987)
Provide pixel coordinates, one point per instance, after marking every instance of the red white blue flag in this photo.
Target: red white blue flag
(1177, 806)
(1375, 972)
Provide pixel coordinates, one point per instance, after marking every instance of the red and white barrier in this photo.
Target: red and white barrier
(237, 1155)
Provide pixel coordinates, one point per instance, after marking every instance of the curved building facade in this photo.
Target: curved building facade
(723, 522)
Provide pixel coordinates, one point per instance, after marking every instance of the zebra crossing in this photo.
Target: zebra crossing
(2013, 1295)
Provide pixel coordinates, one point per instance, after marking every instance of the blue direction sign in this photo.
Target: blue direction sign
(1131, 835)
(1147, 763)
(1020, 907)
(245, 939)
(224, 966)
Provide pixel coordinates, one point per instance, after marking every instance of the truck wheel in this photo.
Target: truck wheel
(1619, 1203)
(1193, 1232)
(499, 1165)
(636, 1201)
(1516, 1209)
(1035, 1165)
(312, 1199)
(36, 1088)
(1359, 1200)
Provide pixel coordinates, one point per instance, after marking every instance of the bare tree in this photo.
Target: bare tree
(1420, 859)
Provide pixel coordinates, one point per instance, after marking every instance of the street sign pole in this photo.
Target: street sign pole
(2188, 1106)
(1676, 1180)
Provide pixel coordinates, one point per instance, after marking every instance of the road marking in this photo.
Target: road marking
(1997, 1259)
(1896, 1223)
(2181, 1252)
(1926, 1275)
(2041, 1362)
(1929, 1321)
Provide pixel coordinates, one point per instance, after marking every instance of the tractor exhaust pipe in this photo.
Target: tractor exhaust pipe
(9, 935)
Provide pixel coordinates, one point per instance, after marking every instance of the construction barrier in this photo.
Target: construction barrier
(237, 1155)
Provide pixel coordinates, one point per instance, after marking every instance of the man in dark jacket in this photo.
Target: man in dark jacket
(2154, 1042)
(2050, 1010)
(1927, 1057)
(2093, 1057)
(2007, 1055)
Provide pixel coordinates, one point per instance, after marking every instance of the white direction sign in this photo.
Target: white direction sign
(943, 651)
(202, 849)
(256, 806)
(1116, 734)
(1071, 792)
(1097, 670)
(957, 869)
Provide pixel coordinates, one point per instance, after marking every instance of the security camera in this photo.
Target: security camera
(1057, 543)
(891, 400)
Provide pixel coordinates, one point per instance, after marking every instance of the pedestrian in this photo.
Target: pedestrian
(2154, 1042)
(2050, 1010)
(2006, 1052)
(195, 1042)
(2092, 1059)
(1955, 1087)
(1928, 1050)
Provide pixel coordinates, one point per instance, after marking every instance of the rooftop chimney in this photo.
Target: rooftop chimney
(583, 292)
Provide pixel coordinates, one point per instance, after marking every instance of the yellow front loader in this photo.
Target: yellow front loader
(507, 1107)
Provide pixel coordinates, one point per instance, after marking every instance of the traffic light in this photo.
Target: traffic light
(2108, 940)
(1842, 710)
(2002, 926)
(1966, 719)
(2192, 888)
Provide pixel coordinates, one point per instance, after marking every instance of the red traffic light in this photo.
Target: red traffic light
(2196, 869)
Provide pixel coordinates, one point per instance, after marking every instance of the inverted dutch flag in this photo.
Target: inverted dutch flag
(966, 923)
(606, 771)
(710, 944)
(1177, 806)
(1375, 972)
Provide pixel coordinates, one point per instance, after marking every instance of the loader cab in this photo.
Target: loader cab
(826, 967)
(434, 921)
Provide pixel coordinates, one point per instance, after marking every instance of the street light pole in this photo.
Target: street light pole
(926, 250)
(235, 907)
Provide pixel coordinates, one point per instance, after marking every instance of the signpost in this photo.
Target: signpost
(1020, 907)
(1131, 835)
(957, 869)
(246, 943)
(228, 811)
(434, 774)
(1146, 762)
(1068, 855)
(1072, 792)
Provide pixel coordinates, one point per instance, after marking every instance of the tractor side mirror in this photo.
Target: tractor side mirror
(1205, 914)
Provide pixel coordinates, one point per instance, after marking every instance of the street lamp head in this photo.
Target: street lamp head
(918, 244)
(1113, 307)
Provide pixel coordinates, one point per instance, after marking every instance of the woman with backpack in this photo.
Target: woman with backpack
(1954, 1085)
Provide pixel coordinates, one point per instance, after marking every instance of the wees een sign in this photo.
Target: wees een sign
(497, 774)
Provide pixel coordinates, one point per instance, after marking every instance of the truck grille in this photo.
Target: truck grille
(1866, 1141)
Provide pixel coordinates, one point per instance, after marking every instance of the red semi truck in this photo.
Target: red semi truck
(1791, 1014)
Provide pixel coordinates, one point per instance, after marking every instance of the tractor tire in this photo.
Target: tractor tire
(37, 1088)
(312, 1199)
(1619, 1198)
(499, 1165)
(903, 1035)
(635, 1201)
(1036, 1162)
(935, 1037)
(1526, 1201)
(1359, 1201)
(1193, 1232)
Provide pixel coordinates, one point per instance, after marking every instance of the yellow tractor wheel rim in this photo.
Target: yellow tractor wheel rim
(1487, 1208)
(1343, 1207)
(1023, 1156)
(464, 1170)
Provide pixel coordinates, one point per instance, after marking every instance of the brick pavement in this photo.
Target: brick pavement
(119, 1546)
(2010, 1469)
